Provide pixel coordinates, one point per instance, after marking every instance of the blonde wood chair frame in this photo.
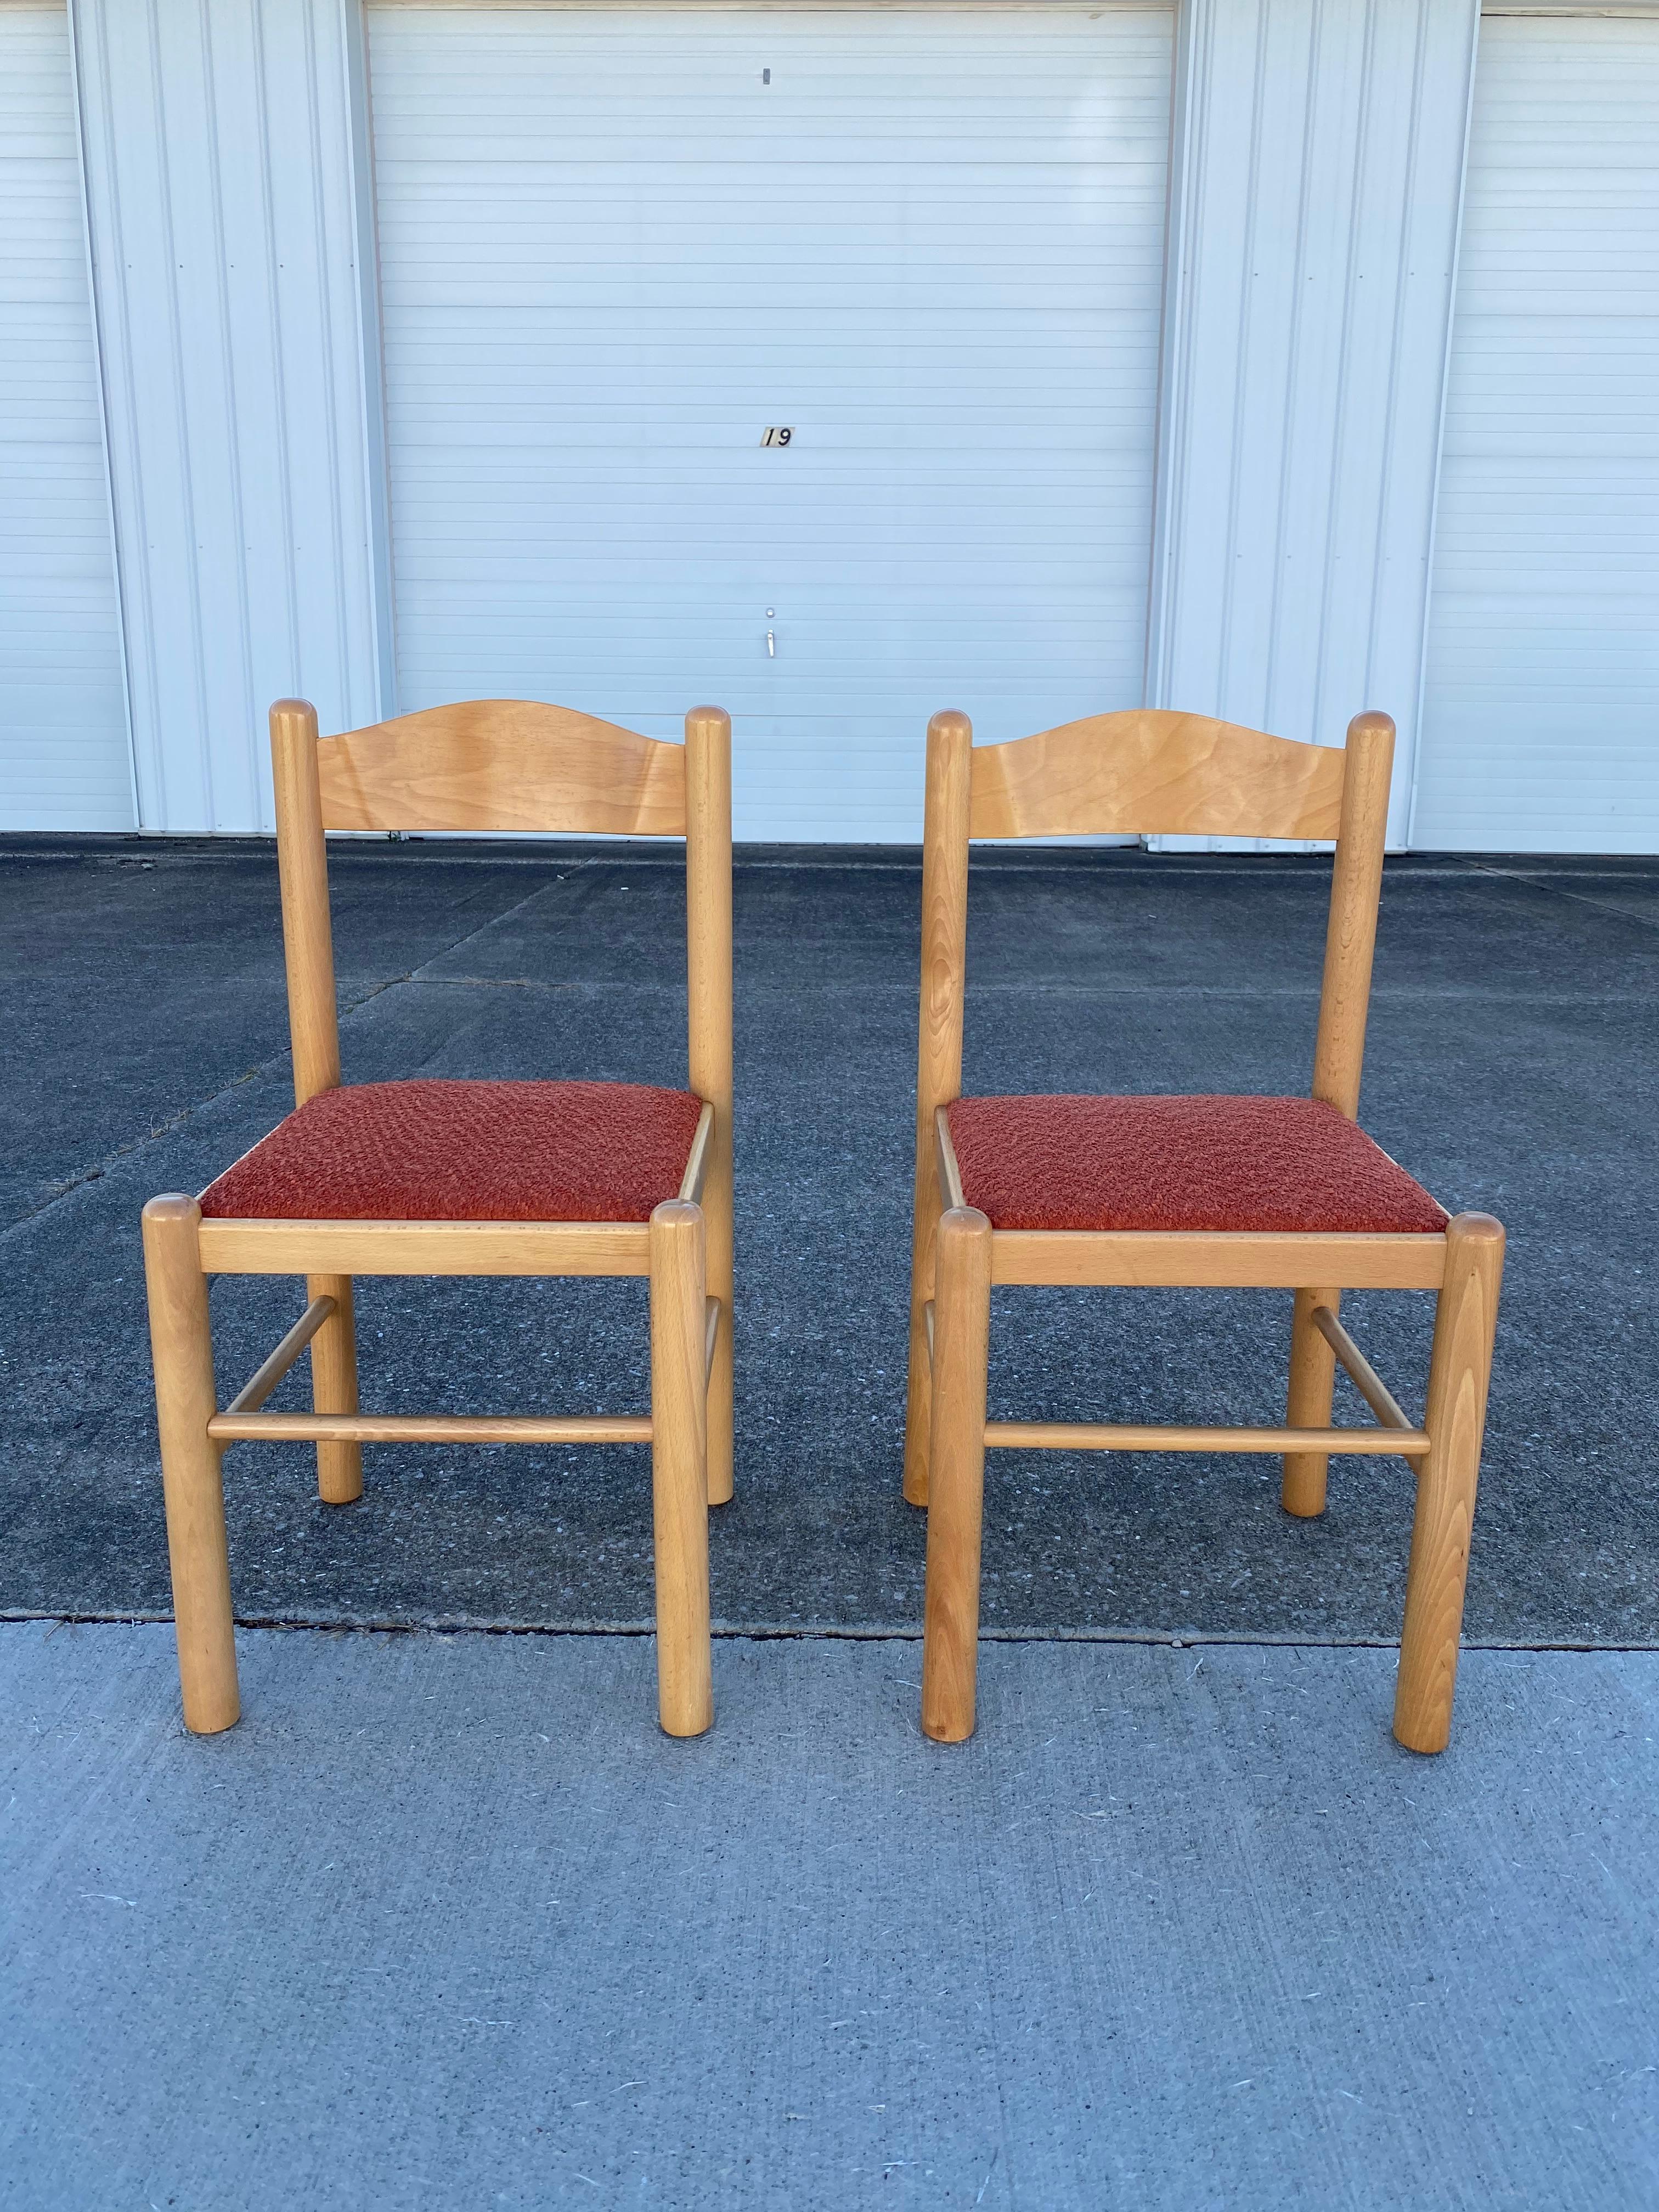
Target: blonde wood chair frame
(486, 765)
(1157, 772)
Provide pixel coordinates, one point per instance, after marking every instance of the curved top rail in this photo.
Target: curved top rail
(1150, 772)
(502, 764)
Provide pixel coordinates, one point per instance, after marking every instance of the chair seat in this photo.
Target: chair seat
(1270, 1164)
(440, 1151)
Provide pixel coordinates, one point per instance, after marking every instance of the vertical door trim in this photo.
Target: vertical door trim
(97, 320)
(1440, 437)
(371, 346)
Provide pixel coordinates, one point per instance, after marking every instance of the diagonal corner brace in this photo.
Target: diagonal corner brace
(1369, 1383)
(259, 1385)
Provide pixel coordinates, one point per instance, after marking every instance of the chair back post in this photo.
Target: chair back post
(302, 866)
(708, 929)
(938, 1050)
(1355, 889)
(708, 761)
(944, 926)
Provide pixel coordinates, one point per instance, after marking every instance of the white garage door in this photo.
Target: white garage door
(1541, 728)
(63, 754)
(619, 245)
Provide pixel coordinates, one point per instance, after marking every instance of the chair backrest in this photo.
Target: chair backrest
(1152, 772)
(513, 765)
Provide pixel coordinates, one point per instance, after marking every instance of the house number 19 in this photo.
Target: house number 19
(771, 436)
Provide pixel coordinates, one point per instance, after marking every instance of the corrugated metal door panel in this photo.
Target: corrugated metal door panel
(612, 253)
(63, 753)
(1542, 710)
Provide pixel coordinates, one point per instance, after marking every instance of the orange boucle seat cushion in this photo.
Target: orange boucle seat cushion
(1262, 1163)
(434, 1150)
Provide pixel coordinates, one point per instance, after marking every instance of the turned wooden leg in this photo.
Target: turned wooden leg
(1313, 1376)
(182, 1345)
(962, 1330)
(680, 1469)
(1465, 1323)
(718, 1260)
(334, 1389)
(719, 1412)
(919, 1397)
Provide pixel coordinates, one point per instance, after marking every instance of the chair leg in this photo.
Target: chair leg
(334, 1389)
(1465, 1323)
(962, 1329)
(719, 1261)
(919, 1399)
(680, 1469)
(1313, 1377)
(720, 1412)
(181, 1345)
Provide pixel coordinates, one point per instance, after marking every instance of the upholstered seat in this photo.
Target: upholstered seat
(440, 1151)
(1272, 1164)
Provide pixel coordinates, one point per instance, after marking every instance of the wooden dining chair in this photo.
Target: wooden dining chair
(467, 1178)
(1232, 1192)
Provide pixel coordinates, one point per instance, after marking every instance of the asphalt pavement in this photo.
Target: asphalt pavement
(1513, 1063)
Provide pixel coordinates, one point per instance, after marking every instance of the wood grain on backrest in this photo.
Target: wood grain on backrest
(502, 764)
(1152, 773)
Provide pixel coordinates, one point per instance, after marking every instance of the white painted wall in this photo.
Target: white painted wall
(64, 759)
(1317, 169)
(1319, 149)
(224, 210)
(1319, 152)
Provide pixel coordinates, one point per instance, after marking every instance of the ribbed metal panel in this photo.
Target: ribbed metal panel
(220, 183)
(1320, 154)
(618, 243)
(64, 759)
(1541, 715)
